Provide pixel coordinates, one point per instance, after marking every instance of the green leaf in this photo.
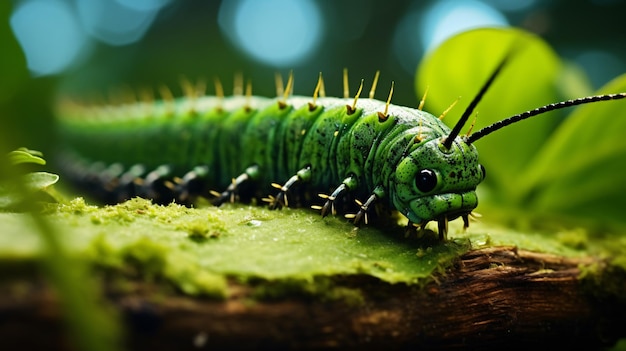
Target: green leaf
(13, 68)
(461, 65)
(11, 198)
(24, 155)
(39, 180)
(580, 171)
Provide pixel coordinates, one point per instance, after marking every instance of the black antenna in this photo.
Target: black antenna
(447, 143)
(543, 109)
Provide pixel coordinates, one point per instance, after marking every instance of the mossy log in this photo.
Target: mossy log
(490, 298)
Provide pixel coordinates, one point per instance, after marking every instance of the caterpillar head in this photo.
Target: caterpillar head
(437, 180)
(433, 182)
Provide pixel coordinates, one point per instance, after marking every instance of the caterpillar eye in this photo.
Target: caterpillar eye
(426, 180)
(483, 171)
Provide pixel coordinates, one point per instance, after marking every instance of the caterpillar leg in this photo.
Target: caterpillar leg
(110, 183)
(128, 182)
(442, 227)
(157, 185)
(418, 229)
(191, 184)
(280, 200)
(465, 220)
(329, 206)
(251, 173)
(414, 229)
(362, 214)
(160, 184)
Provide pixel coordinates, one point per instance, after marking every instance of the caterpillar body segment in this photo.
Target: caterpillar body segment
(240, 145)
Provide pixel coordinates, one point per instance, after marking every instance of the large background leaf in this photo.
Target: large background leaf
(580, 170)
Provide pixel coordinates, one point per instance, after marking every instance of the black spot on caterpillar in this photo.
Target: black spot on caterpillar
(376, 152)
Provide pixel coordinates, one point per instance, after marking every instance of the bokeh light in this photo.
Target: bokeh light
(447, 18)
(49, 35)
(113, 22)
(280, 33)
(55, 34)
(601, 66)
(306, 35)
(511, 6)
(144, 5)
(421, 30)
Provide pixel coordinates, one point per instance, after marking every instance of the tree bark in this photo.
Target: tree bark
(491, 298)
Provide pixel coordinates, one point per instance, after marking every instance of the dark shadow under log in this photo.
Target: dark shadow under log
(493, 298)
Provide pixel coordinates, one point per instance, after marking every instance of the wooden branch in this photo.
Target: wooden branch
(491, 298)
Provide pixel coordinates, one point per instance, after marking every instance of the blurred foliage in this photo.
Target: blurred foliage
(579, 171)
(34, 183)
(91, 326)
(186, 40)
(13, 68)
(541, 166)
(25, 117)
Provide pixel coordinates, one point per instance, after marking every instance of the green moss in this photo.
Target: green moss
(619, 346)
(152, 260)
(147, 256)
(319, 288)
(576, 239)
(103, 252)
(194, 280)
(211, 227)
(75, 206)
(606, 281)
(197, 250)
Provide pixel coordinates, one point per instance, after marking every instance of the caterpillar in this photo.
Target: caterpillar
(340, 148)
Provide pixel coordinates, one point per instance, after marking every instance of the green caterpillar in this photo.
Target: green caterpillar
(174, 149)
